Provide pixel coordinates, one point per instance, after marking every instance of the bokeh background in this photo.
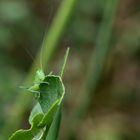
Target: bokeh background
(102, 76)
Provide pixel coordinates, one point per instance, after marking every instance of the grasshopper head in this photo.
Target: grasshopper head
(39, 77)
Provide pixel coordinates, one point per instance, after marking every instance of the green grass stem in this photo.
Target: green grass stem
(64, 63)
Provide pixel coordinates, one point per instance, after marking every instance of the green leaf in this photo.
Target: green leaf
(48, 117)
(36, 110)
(45, 116)
(50, 97)
(54, 129)
(28, 134)
(50, 93)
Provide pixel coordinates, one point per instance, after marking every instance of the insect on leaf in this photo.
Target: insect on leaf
(46, 115)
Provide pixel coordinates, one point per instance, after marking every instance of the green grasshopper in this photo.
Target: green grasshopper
(40, 77)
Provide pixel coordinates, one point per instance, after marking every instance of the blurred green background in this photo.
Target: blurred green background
(102, 76)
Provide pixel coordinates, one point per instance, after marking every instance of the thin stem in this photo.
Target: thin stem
(64, 63)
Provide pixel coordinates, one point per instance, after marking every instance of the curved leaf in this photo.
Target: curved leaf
(28, 134)
(45, 116)
(51, 92)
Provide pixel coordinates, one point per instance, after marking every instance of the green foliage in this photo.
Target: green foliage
(45, 116)
(45, 121)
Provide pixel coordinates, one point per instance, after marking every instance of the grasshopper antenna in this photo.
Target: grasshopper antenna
(41, 52)
(30, 55)
(41, 55)
(64, 63)
(28, 52)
